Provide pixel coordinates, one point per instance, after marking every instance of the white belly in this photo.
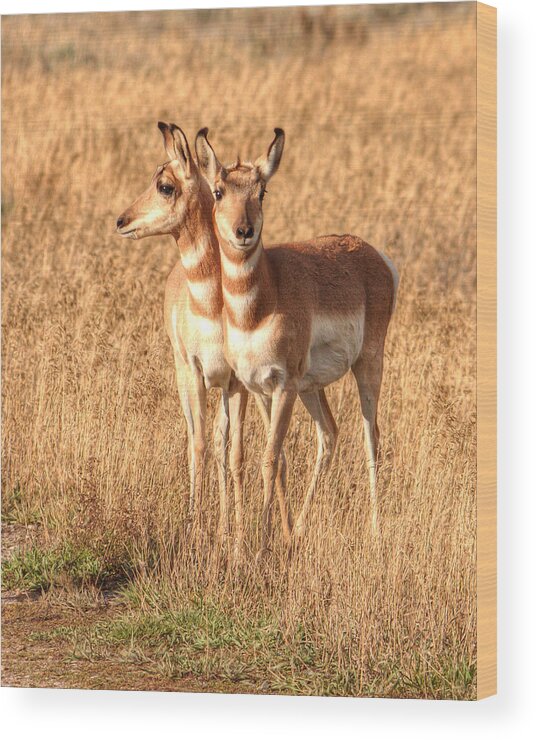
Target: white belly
(336, 343)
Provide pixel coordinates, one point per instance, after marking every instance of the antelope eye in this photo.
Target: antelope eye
(166, 189)
(262, 194)
(218, 194)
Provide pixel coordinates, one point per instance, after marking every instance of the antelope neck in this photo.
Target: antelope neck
(200, 258)
(249, 294)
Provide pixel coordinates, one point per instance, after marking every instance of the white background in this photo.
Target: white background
(44, 713)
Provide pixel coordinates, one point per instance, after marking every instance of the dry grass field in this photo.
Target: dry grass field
(103, 585)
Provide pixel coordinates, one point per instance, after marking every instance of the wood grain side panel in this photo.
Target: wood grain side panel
(486, 50)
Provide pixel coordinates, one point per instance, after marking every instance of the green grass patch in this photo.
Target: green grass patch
(225, 648)
(40, 569)
(203, 640)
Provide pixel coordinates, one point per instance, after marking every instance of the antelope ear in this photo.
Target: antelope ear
(169, 144)
(176, 146)
(268, 165)
(207, 160)
(182, 150)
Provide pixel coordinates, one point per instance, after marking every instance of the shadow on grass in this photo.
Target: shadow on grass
(38, 570)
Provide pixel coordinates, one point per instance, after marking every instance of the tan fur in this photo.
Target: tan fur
(192, 314)
(297, 316)
(193, 318)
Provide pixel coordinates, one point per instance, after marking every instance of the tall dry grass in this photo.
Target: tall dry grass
(379, 111)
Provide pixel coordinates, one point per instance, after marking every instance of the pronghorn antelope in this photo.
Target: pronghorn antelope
(297, 317)
(179, 202)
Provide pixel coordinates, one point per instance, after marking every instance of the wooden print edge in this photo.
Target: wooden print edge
(486, 127)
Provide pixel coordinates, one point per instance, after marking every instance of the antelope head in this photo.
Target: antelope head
(239, 190)
(163, 207)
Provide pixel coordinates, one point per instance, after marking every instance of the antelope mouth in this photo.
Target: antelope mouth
(246, 245)
(128, 233)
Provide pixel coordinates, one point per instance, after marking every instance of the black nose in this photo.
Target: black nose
(245, 232)
(120, 222)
